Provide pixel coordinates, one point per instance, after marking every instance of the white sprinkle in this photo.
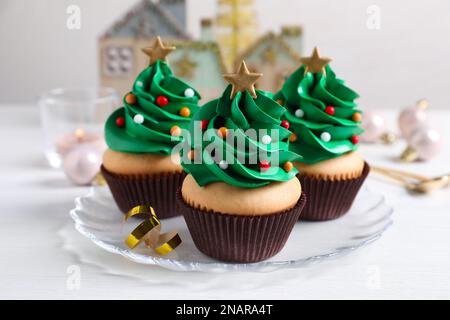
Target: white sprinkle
(266, 139)
(325, 137)
(299, 113)
(223, 165)
(189, 93)
(139, 119)
(139, 83)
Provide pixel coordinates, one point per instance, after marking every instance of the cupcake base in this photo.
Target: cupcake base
(329, 199)
(241, 239)
(156, 190)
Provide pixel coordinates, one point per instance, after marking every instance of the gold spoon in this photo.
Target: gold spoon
(430, 185)
(420, 184)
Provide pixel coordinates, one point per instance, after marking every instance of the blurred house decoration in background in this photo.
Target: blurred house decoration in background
(120, 46)
(275, 56)
(199, 61)
(236, 28)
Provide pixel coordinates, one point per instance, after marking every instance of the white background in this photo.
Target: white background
(405, 60)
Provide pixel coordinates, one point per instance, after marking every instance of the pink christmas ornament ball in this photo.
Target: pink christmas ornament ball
(410, 119)
(82, 164)
(374, 126)
(426, 142)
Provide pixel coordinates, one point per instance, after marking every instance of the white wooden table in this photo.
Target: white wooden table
(411, 260)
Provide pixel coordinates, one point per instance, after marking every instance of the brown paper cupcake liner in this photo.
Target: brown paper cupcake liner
(330, 199)
(240, 239)
(158, 191)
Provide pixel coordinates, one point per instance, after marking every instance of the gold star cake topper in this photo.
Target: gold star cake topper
(315, 63)
(158, 52)
(242, 80)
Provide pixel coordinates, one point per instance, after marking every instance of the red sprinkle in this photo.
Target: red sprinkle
(355, 139)
(204, 124)
(162, 101)
(285, 124)
(329, 110)
(120, 121)
(264, 165)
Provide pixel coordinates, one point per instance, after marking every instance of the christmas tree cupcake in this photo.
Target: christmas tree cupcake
(139, 166)
(241, 197)
(326, 125)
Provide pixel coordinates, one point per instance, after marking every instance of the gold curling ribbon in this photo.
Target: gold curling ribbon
(149, 231)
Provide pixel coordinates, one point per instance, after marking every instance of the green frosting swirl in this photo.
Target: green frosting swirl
(240, 115)
(153, 135)
(312, 93)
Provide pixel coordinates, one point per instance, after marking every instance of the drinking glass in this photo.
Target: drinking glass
(74, 117)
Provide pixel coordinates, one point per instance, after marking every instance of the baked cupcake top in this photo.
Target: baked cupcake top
(239, 138)
(322, 111)
(155, 111)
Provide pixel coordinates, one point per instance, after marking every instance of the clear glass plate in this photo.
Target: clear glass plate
(97, 217)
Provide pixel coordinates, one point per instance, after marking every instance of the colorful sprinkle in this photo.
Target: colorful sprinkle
(264, 165)
(175, 131)
(185, 112)
(139, 119)
(222, 132)
(204, 124)
(130, 98)
(357, 117)
(288, 166)
(162, 101)
(293, 137)
(330, 110)
(299, 113)
(223, 164)
(266, 139)
(189, 93)
(325, 137)
(120, 122)
(354, 139)
(285, 124)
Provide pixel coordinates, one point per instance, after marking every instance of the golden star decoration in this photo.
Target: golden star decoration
(185, 67)
(315, 63)
(158, 52)
(242, 80)
(269, 55)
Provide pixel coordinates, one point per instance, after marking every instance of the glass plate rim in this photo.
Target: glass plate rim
(217, 266)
